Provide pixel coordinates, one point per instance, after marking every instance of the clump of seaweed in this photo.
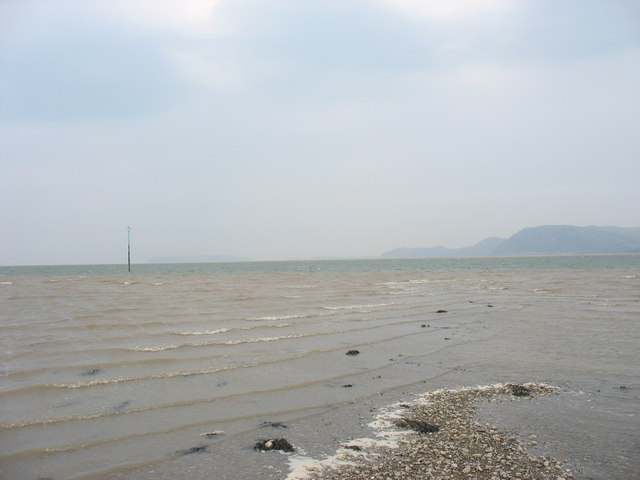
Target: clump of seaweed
(519, 390)
(417, 425)
(274, 444)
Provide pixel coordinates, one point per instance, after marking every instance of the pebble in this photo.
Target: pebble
(461, 445)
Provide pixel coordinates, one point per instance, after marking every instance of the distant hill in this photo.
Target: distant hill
(480, 249)
(542, 240)
(566, 239)
(198, 259)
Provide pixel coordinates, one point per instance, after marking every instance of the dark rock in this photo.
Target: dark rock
(123, 406)
(441, 311)
(189, 451)
(353, 352)
(355, 448)
(274, 444)
(348, 385)
(417, 425)
(519, 390)
(423, 326)
(273, 424)
(490, 306)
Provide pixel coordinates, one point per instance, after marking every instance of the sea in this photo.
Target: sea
(175, 371)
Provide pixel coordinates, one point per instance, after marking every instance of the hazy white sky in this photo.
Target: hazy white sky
(276, 129)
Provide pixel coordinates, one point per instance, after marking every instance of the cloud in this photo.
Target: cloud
(207, 70)
(192, 17)
(379, 119)
(449, 10)
(289, 48)
(520, 31)
(71, 64)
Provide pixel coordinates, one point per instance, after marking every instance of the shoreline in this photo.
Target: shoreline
(439, 436)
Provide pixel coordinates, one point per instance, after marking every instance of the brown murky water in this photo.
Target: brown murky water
(107, 375)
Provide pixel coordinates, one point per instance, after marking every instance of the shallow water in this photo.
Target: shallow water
(112, 375)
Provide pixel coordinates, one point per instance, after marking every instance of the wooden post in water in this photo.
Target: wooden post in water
(129, 248)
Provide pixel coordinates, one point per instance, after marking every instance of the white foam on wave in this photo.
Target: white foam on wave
(259, 339)
(157, 348)
(287, 317)
(203, 332)
(227, 330)
(6, 283)
(404, 283)
(384, 424)
(388, 437)
(276, 325)
(155, 376)
(353, 307)
(302, 467)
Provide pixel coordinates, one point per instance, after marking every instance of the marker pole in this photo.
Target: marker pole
(129, 248)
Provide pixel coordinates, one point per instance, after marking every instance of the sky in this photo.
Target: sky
(280, 129)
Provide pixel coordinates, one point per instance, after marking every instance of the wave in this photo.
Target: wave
(226, 330)
(195, 401)
(288, 317)
(160, 348)
(118, 380)
(305, 410)
(183, 403)
(69, 324)
(89, 362)
(352, 307)
(203, 332)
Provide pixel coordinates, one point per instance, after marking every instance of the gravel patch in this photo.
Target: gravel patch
(439, 437)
